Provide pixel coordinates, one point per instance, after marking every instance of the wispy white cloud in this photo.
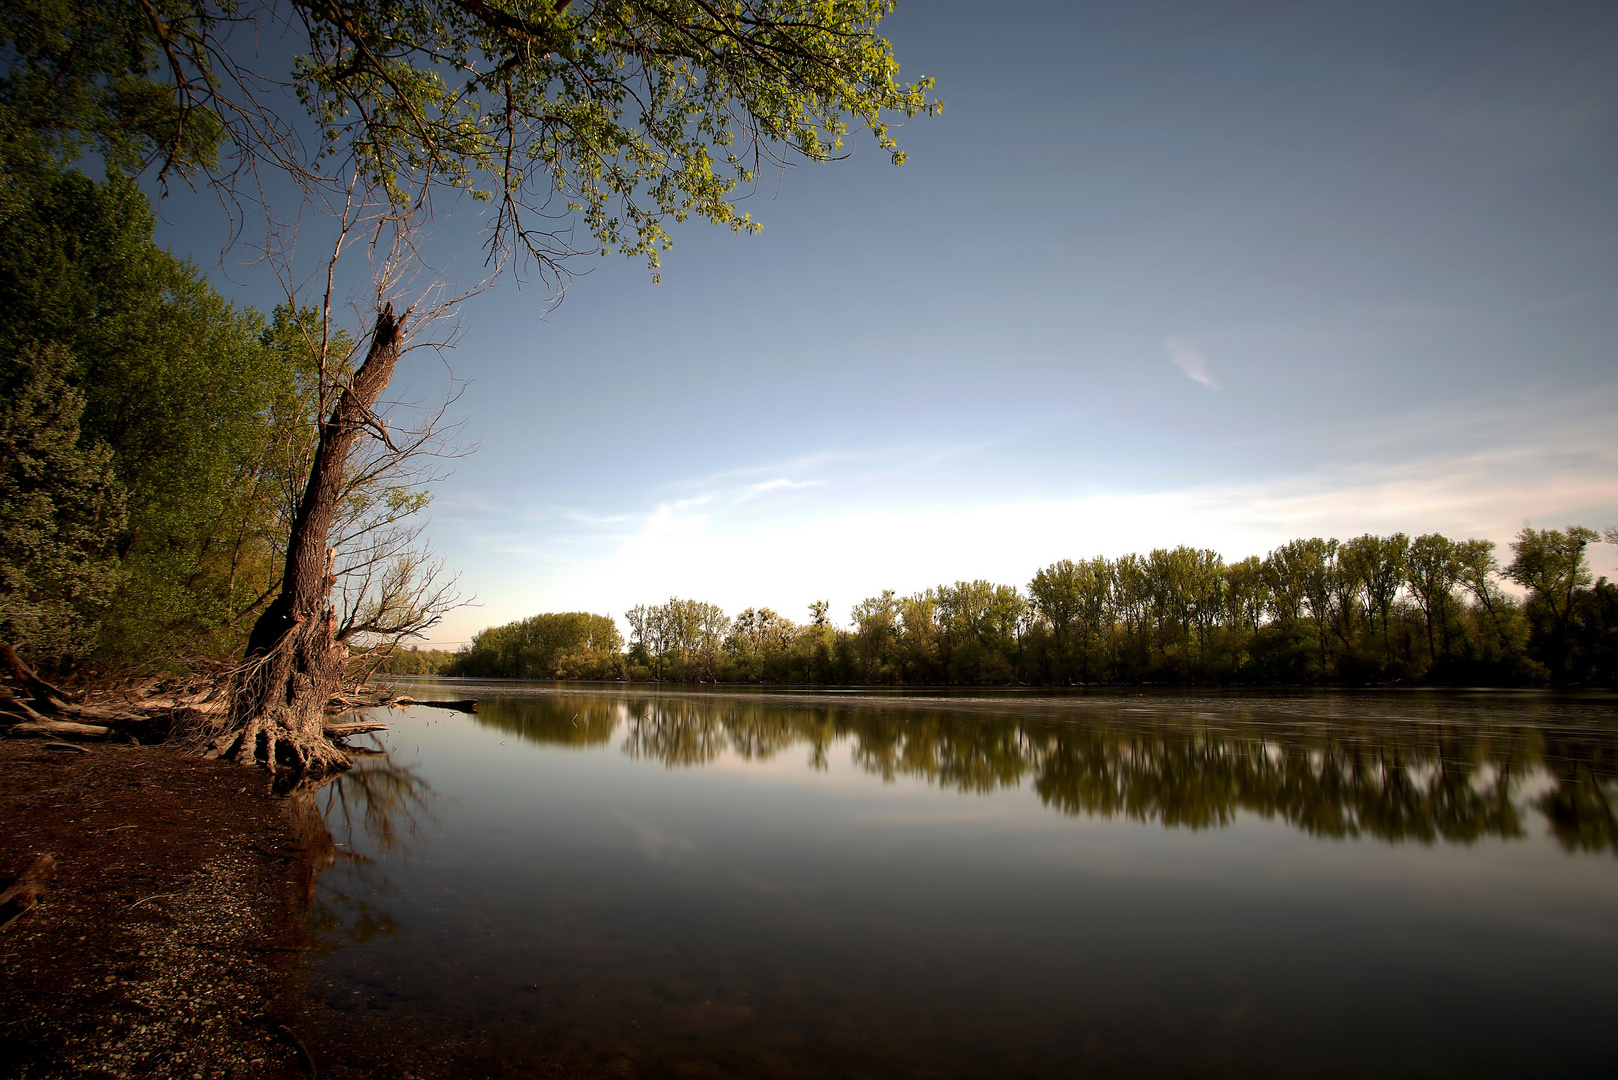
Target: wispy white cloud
(1186, 357)
(780, 484)
(1561, 302)
(596, 519)
(518, 548)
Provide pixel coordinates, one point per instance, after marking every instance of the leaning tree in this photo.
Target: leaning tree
(587, 125)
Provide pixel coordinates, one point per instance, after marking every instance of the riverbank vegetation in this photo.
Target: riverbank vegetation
(149, 432)
(156, 437)
(1370, 610)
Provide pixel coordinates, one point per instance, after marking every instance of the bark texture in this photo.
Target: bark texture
(294, 664)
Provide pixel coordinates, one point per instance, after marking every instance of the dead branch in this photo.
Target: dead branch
(13, 710)
(469, 705)
(57, 729)
(360, 727)
(44, 694)
(24, 893)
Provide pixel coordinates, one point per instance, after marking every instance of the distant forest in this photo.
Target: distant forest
(405, 660)
(1371, 610)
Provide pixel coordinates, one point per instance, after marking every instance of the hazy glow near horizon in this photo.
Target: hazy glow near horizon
(824, 529)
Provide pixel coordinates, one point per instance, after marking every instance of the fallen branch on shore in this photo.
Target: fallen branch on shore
(37, 709)
(459, 704)
(195, 711)
(358, 727)
(57, 729)
(25, 892)
(75, 749)
(44, 694)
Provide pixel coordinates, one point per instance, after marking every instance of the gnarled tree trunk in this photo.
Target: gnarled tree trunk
(294, 664)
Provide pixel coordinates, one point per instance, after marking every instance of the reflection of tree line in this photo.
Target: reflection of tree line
(1447, 778)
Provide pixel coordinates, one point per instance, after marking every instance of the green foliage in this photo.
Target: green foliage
(61, 510)
(682, 636)
(88, 76)
(634, 112)
(1551, 565)
(631, 113)
(409, 661)
(572, 645)
(756, 638)
(174, 391)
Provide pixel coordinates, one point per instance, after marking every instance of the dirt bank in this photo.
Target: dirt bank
(166, 944)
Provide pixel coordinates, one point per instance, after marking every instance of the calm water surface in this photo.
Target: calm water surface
(632, 883)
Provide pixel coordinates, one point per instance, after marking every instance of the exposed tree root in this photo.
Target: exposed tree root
(278, 701)
(306, 679)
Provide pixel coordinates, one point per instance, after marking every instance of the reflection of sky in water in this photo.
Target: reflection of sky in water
(719, 886)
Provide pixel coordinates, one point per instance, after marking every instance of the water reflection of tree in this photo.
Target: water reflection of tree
(974, 755)
(1449, 779)
(373, 810)
(568, 722)
(682, 733)
(676, 732)
(1580, 806)
(1395, 785)
(378, 804)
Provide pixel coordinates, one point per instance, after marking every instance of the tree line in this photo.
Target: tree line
(1369, 610)
(407, 660)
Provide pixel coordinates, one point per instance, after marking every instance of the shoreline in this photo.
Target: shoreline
(167, 945)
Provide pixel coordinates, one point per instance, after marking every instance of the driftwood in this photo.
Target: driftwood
(95, 714)
(13, 710)
(47, 711)
(25, 892)
(41, 710)
(44, 694)
(182, 706)
(304, 1057)
(358, 727)
(360, 697)
(459, 705)
(56, 729)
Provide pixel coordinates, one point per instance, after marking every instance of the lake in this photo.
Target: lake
(626, 881)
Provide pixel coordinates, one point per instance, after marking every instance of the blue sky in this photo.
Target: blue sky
(1209, 273)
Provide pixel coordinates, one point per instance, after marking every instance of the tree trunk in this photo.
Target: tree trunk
(294, 664)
